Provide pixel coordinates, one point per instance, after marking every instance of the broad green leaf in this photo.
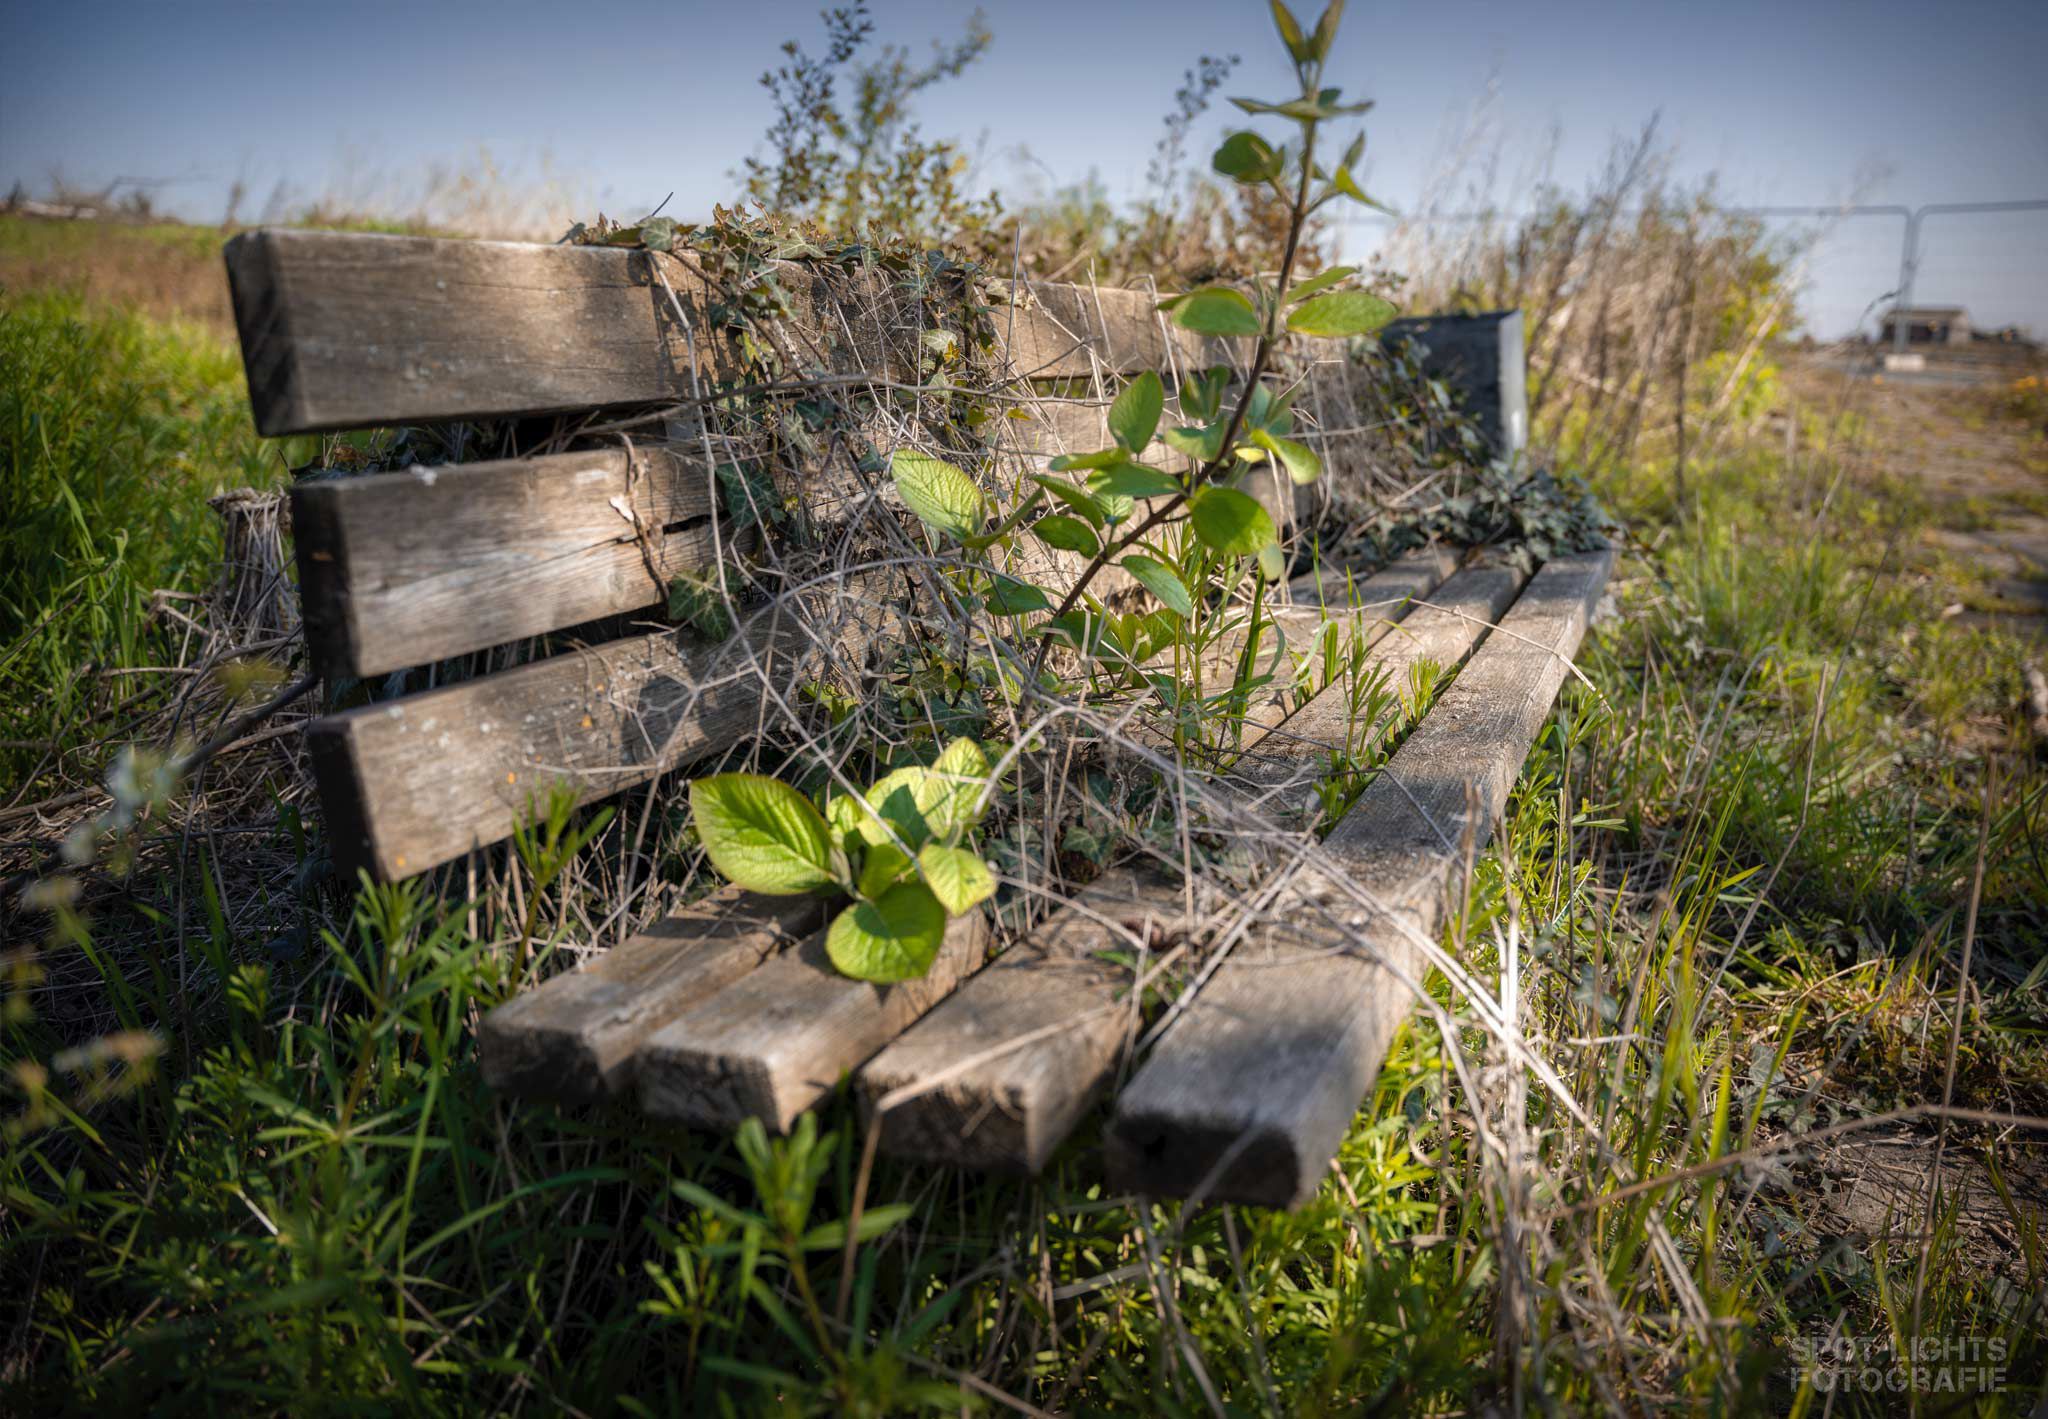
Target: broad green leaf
(1271, 562)
(1068, 462)
(1230, 522)
(929, 804)
(1322, 281)
(1115, 506)
(1162, 581)
(761, 834)
(1202, 445)
(1246, 157)
(1007, 596)
(1134, 415)
(957, 877)
(963, 767)
(1076, 498)
(893, 939)
(1299, 460)
(1133, 480)
(1217, 310)
(1340, 313)
(1068, 534)
(944, 498)
(880, 870)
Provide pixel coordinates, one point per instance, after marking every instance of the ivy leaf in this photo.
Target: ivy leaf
(1133, 480)
(1322, 281)
(1134, 414)
(1068, 534)
(761, 834)
(1230, 522)
(944, 498)
(1162, 581)
(957, 877)
(1299, 460)
(895, 938)
(1217, 310)
(1340, 313)
(1076, 498)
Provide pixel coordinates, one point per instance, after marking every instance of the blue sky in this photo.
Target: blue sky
(1794, 102)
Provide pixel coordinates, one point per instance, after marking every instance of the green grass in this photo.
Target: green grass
(277, 1183)
(114, 430)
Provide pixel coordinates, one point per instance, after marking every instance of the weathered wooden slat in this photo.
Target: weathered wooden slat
(411, 783)
(347, 330)
(1247, 1096)
(996, 1076)
(575, 1037)
(770, 1044)
(405, 568)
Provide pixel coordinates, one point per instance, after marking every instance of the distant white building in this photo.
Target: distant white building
(1927, 325)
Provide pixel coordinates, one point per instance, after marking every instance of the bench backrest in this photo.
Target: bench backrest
(407, 569)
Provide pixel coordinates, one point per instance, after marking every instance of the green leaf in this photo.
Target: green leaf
(944, 498)
(1076, 498)
(1340, 313)
(1217, 310)
(1230, 522)
(1201, 444)
(1299, 460)
(761, 834)
(1162, 581)
(1290, 32)
(929, 804)
(957, 877)
(1322, 281)
(1134, 414)
(1326, 30)
(1133, 480)
(1246, 157)
(893, 939)
(1068, 462)
(1068, 534)
(881, 869)
(1007, 596)
(1271, 562)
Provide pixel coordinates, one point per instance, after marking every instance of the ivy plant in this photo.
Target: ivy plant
(904, 851)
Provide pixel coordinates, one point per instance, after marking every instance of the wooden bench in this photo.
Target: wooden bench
(727, 1009)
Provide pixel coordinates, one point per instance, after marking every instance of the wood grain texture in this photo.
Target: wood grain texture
(997, 1075)
(345, 330)
(575, 1037)
(411, 783)
(774, 1041)
(1248, 1094)
(406, 568)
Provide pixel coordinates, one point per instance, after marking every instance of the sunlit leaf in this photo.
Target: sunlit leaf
(1340, 313)
(944, 498)
(761, 834)
(1217, 310)
(895, 938)
(1134, 414)
(1230, 522)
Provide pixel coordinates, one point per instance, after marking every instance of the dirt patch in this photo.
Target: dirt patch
(1983, 472)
